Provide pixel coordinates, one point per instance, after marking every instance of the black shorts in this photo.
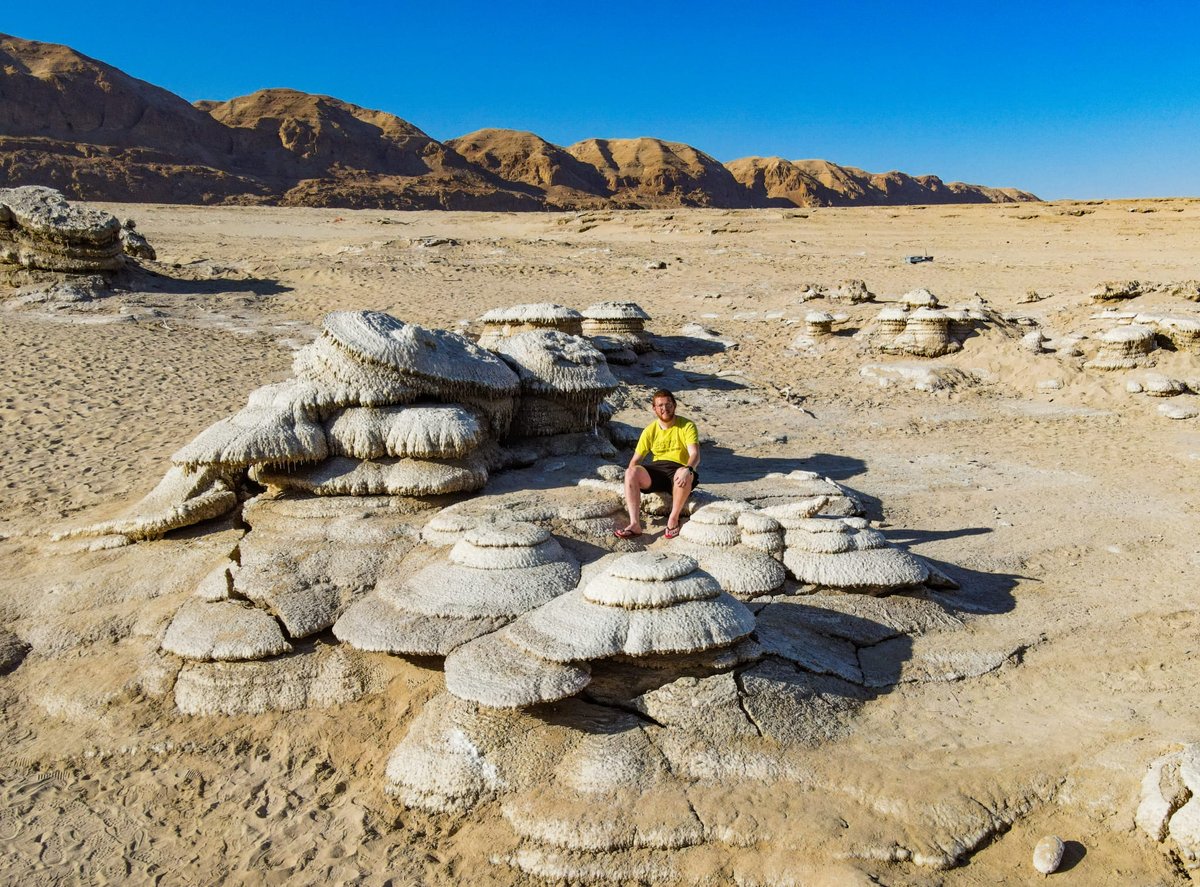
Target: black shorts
(662, 475)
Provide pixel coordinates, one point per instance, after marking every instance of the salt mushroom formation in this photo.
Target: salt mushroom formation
(494, 573)
(1124, 348)
(926, 334)
(40, 229)
(563, 382)
(387, 438)
(644, 604)
(713, 536)
(843, 553)
(615, 327)
(500, 323)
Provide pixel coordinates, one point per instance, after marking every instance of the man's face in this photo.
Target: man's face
(664, 408)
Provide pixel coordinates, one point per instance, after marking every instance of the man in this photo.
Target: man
(673, 445)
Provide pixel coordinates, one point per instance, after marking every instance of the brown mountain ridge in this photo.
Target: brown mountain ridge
(96, 133)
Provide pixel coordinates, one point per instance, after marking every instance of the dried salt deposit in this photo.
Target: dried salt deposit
(40, 229)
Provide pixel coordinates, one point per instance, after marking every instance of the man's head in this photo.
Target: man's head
(663, 404)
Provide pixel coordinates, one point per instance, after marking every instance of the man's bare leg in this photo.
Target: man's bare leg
(637, 479)
(679, 497)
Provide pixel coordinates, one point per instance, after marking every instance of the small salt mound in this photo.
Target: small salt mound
(891, 322)
(742, 571)
(1123, 348)
(341, 380)
(1158, 385)
(761, 532)
(853, 291)
(868, 565)
(788, 514)
(501, 323)
(256, 436)
(419, 431)
(496, 572)
(651, 579)
(799, 484)
(919, 298)
(713, 538)
(615, 311)
(182, 498)
(818, 324)
(441, 362)
(572, 629)
(1178, 410)
(493, 672)
(1184, 332)
(342, 476)
(223, 631)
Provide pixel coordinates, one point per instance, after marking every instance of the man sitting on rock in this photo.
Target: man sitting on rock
(673, 445)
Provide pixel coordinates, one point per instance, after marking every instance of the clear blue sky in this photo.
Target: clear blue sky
(1070, 99)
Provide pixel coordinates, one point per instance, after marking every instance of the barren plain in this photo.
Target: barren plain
(1062, 504)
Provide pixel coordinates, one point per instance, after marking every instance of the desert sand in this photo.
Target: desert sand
(1066, 514)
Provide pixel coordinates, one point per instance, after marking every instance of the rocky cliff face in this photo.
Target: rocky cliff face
(96, 133)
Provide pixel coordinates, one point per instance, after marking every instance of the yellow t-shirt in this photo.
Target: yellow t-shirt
(668, 443)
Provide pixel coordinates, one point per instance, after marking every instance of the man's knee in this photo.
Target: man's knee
(638, 477)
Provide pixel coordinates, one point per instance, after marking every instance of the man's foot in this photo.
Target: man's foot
(671, 532)
(627, 533)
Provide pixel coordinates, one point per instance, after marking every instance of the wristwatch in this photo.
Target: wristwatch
(691, 469)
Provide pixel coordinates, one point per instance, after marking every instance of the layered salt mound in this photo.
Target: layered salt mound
(1124, 348)
(926, 334)
(714, 537)
(39, 229)
(617, 327)
(643, 604)
(844, 553)
(494, 574)
(563, 382)
(500, 323)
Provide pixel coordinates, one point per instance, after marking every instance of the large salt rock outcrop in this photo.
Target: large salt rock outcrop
(496, 572)
(39, 229)
(500, 323)
(563, 382)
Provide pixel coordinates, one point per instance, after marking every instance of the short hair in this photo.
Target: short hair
(662, 392)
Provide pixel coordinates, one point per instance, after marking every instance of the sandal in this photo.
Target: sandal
(626, 533)
(671, 532)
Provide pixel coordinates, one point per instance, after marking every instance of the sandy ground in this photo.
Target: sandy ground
(1068, 515)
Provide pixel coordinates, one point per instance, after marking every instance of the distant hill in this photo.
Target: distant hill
(96, 133)
(774, 181)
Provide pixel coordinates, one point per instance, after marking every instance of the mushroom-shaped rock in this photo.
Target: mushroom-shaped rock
(493, 671)
(40, 229)
(617, 325)
(500, 323)
(834, 553)
(563, 381)
(891, 322)
(650, 615)
(256, 436)
(1184, 332)
(818, 324)
(713, 537)
(421, 431)
(1123, 348)
(439, 362)
(224, 630)
(496, 572)
(926, 334)
(762, 533)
